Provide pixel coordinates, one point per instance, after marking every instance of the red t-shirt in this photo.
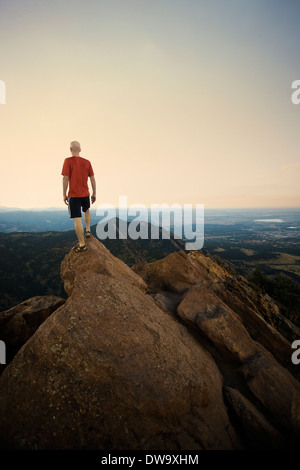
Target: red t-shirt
(78, 170)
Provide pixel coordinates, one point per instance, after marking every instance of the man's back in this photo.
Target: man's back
(78, 170)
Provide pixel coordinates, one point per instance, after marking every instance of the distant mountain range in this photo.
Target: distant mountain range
(52, 219)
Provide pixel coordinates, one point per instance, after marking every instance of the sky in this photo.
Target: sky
(173, 101)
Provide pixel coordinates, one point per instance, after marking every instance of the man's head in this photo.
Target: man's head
(75, 147)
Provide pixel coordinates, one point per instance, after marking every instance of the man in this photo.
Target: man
(76, 171)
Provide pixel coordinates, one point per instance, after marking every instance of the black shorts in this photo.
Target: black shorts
(76, 204)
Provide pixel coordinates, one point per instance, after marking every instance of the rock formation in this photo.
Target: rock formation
(19, 323)
(165, 355)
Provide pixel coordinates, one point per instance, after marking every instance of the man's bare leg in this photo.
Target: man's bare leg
(79, 230)
(87, 220)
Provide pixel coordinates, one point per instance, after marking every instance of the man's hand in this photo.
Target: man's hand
(65, 188)
(93, 183)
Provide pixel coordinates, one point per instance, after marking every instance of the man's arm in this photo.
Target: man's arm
(93, 183)
(65, 187)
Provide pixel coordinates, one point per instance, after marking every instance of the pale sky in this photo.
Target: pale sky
(173, 101)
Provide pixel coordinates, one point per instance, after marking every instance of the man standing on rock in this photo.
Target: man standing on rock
(76, 171)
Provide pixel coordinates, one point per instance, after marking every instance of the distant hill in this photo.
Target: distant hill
(30, 262)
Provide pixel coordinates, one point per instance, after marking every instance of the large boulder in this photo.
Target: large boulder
(277, 390)
(179, 271)
(110, 370)
(254, 317)
(239, 326)
(19, 323)
(217, 321)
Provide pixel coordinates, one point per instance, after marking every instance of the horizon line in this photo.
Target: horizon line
(57, 208)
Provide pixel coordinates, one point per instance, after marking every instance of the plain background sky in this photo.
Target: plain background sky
(173, 101)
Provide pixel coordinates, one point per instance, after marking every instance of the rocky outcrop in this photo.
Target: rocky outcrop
(177, 272)
(239, 325)
(168, 355)
(253, 304)
(272, 384)
(258, 314)
(19, 323)
(217, 321)
(110, 370)
(97, 260)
